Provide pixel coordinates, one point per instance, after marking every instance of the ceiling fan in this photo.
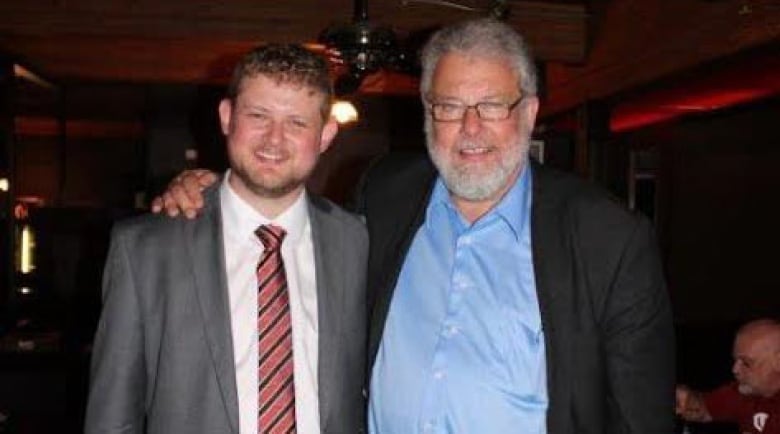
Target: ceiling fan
(361, 47)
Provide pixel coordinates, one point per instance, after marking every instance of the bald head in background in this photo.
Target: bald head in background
(753, 399)
(757, 358)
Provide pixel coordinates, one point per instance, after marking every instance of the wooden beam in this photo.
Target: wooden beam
(194, 40)
(77, 128)
(131, 59)
(646, 40)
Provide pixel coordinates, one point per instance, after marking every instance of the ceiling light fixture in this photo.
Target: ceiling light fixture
(344, 112)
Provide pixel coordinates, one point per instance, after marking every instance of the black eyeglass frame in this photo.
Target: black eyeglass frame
(509, 107)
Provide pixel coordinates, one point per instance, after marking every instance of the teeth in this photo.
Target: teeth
(269, 155)
(474, 151)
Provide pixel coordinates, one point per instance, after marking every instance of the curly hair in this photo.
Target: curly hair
(285, 63)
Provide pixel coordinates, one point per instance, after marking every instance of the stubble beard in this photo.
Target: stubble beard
(266, 186)
(471, 182)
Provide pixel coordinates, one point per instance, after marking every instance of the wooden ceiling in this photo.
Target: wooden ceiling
(592, 49)
(198, 40)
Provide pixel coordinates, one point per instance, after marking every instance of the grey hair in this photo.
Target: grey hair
(483, 37)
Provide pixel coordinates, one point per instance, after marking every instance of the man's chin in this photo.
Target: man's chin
(269, 187)
(274, 191)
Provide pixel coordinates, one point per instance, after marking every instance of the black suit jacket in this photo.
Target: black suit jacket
(605, 311)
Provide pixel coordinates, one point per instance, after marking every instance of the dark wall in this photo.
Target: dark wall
(80, 144)
(718, 185)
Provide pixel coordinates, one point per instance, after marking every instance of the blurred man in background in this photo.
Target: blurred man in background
(753, 399)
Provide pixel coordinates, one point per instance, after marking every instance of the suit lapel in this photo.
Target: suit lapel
(393, 218)
(394, 230)
(204, 236)
(551, 271)
(329, 267)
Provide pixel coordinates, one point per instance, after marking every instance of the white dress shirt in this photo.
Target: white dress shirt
(242, 253)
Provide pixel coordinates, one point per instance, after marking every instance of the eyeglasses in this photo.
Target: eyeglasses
(487, 110)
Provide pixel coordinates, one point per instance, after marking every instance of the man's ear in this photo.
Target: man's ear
(225, 112)
(329, 131)
(530, 109)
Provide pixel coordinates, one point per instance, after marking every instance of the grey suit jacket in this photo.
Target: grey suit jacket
(163, 357)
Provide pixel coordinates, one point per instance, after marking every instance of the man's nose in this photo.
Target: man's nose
(471, 121)
(736, 368)
(275, 133)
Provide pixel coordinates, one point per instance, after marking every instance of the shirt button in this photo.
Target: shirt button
(427, 426)
(438, 375)
(461, 285)
(451, 331)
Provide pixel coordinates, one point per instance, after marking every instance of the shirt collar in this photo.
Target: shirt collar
(514, 208)
(240, 220)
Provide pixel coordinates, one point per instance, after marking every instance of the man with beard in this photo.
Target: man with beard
(252, 317)
(506, 297)
(753, 400)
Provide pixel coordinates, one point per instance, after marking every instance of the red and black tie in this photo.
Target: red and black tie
(275, 371)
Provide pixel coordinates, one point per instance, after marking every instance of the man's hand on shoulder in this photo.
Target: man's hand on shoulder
(184, 193)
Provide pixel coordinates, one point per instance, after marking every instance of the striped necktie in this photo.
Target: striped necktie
(275, 371)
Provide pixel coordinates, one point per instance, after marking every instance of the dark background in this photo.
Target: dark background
(673, 107)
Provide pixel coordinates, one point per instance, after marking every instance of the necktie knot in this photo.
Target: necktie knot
(271, 236)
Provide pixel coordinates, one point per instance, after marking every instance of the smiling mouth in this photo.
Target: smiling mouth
(271, 156)
(475, 151)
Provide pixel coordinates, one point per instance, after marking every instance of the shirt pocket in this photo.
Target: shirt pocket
(524, 364)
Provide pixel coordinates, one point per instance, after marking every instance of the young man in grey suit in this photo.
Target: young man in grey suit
(252, 317)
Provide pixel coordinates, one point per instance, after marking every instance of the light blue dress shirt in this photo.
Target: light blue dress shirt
(463, 346)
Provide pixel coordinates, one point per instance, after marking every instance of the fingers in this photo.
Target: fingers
(690, 405)
(206, 177)
(157, 204)
(681, 397)
(184, 193)
(178, 200)
(166, 203)
(192, 188)
(193, 182)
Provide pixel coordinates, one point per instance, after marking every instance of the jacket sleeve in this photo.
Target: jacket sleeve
(117, 374)
(639, 340)
(726, 403)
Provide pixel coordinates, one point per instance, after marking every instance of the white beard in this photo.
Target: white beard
(476, 183)
(745, 389)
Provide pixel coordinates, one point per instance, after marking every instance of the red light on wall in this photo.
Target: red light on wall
(741, 82)
(630, 117)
